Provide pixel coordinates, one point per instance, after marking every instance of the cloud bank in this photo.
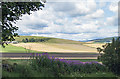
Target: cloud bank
(72, 20)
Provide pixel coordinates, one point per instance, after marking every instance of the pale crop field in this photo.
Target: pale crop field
(95, 45)
(55, 47)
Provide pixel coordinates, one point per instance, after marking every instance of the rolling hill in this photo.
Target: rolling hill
(55, 45)
(50, 40)
(104, 40)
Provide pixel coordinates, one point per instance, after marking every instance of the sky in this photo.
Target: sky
(80, 21)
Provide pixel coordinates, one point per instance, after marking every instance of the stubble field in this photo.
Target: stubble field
(53, 47)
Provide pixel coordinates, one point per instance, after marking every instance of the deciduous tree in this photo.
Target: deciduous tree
(11, 12)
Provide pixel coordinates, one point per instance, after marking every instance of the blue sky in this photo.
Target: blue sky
(72, 20)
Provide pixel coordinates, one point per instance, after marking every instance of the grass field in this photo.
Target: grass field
(13, 49)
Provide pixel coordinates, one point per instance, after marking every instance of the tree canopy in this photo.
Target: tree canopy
(11, 12)
(111, 55)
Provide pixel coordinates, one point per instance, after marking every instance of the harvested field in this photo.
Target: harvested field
(95, 45)
(53, 47)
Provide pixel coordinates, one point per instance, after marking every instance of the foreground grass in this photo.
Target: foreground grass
(47, 73)
(27, 68)
(97, 74)
(22, 61)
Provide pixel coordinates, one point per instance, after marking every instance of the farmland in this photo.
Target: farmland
(66, 50)
(53, 47)
(13, 49)
(95, 45)
(58, 45)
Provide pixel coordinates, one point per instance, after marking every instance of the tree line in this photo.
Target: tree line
(35, 40)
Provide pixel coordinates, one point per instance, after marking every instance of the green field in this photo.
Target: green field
(13, 49)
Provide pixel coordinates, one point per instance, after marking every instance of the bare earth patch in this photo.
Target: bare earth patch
(53, 47)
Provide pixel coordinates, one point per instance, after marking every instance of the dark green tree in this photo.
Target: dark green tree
(23, 40)
(32, 40)
(11, 12)
(26, 39)
(111, 56)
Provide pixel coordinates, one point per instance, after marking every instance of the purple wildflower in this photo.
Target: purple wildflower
(53, 57)
(45, 53)
(39, 54)
(36, 54)
(31, 53)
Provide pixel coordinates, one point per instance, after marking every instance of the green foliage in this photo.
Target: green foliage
(23, 40)
(32, 40)
(111, 55)
(11, 12)
(60, 68)
(43, 66)
(26, 39)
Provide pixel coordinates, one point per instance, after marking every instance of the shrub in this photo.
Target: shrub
(111, 55)
(23, 40)
(62, 66)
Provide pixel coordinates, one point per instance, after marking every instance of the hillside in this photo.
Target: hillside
(51, 40)
(104, 40)
(55, 45)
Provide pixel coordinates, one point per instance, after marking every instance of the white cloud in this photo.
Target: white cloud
(114, 7)
(74, 8)
(102, 4)
(77, 37)
(112, 21)
(76, 21)
(98, 14)
(82, 36)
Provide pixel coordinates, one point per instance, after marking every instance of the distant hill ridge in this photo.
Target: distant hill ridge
(51, 40)
(109, 39)
(58, 40)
